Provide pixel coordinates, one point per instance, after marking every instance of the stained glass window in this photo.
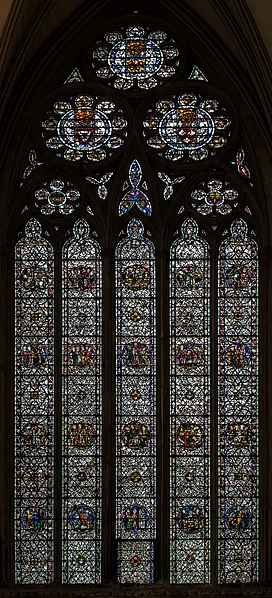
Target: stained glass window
(34, 407)
(187, 127)
(57, 197)
(197, 74)
(135, 196)
(238, 386)
(215, 197)
(82, 407)
(87, 127)
(189, 407)
(136, 407)
(156, 149)
(137, 57)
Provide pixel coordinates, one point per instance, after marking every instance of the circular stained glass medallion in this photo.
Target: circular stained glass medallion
(237, 277)
(189, 277)
(135, 561)
(136, 355)
(34, 436)
(61, 198)
(85, 127)
(136, 277)
(33, 278)
(214, 197)
(190, 519)
(189, 436)
(135, 435)
(187, 127)
(238, 354)
(81, 435)
(82, 518)
(135, 57)
(238, 517)
(82, 356)
(189, 355)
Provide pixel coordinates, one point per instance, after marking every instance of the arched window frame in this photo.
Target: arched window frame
(99, 209)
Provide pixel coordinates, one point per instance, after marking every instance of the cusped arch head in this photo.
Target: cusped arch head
(189, 229)
(239, 229)
(135, 229)
(33, 230)
(81, 230)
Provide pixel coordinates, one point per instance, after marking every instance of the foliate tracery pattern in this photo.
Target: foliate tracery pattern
(242, 168)
(187, 127)
(216, 197)
(135, 58)
(135, 450)
(135, 196)
(57, 197)
(82, 407)
(238, 386)
(84, 127)
(169, 184)
(34, 409)
(189, 407)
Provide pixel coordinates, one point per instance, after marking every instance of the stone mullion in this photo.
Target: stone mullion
(163, 425)
(108, 418)
(58, 514)
(214, 414)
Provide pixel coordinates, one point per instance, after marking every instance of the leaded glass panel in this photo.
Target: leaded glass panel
(214, 198)
(82, 407)
(187, 127)
(238, 386)
(84, 127)
(136, 408)
(34, 407)
(189, 407)
(135, 196)
(57, 197)
(136, 57)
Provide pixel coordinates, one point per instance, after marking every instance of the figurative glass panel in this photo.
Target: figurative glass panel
(82, 407)
(189, 407)
(187, 127)
(34, 409)
(238, 385)
(135, 57)
(86, 127)
(135, 448)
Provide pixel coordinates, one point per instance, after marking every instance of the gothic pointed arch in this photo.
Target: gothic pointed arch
(135, 155)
